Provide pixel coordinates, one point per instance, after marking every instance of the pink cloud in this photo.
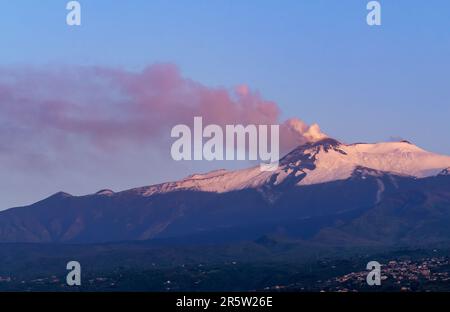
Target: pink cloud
(107, 109)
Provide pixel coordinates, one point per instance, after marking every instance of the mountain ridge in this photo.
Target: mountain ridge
(304, 159)
(317, 185)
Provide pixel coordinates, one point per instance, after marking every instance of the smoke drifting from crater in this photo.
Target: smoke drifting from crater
(110, 109)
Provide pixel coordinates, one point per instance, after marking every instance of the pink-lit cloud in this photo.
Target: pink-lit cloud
(53, 109)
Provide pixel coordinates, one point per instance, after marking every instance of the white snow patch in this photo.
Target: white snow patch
(400, 158)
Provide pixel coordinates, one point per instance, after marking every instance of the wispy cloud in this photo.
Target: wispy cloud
(106, 109)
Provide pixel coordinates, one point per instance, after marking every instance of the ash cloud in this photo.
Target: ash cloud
(47, 111)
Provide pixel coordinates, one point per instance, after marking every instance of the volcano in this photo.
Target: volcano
(317, 186)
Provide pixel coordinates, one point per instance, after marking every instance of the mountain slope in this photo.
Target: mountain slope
(317, 185)
(317, 162)
(244, 213)
(418, 214)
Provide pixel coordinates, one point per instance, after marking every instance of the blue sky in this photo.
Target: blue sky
(317, 59)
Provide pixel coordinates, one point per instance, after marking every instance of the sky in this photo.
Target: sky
(315, 60)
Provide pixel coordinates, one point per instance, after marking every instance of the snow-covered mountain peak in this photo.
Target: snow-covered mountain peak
(307, 151)
(316, 162)
(387, 147)
(445, 172)
(211, 174)
(401, 158)
(105, 192)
